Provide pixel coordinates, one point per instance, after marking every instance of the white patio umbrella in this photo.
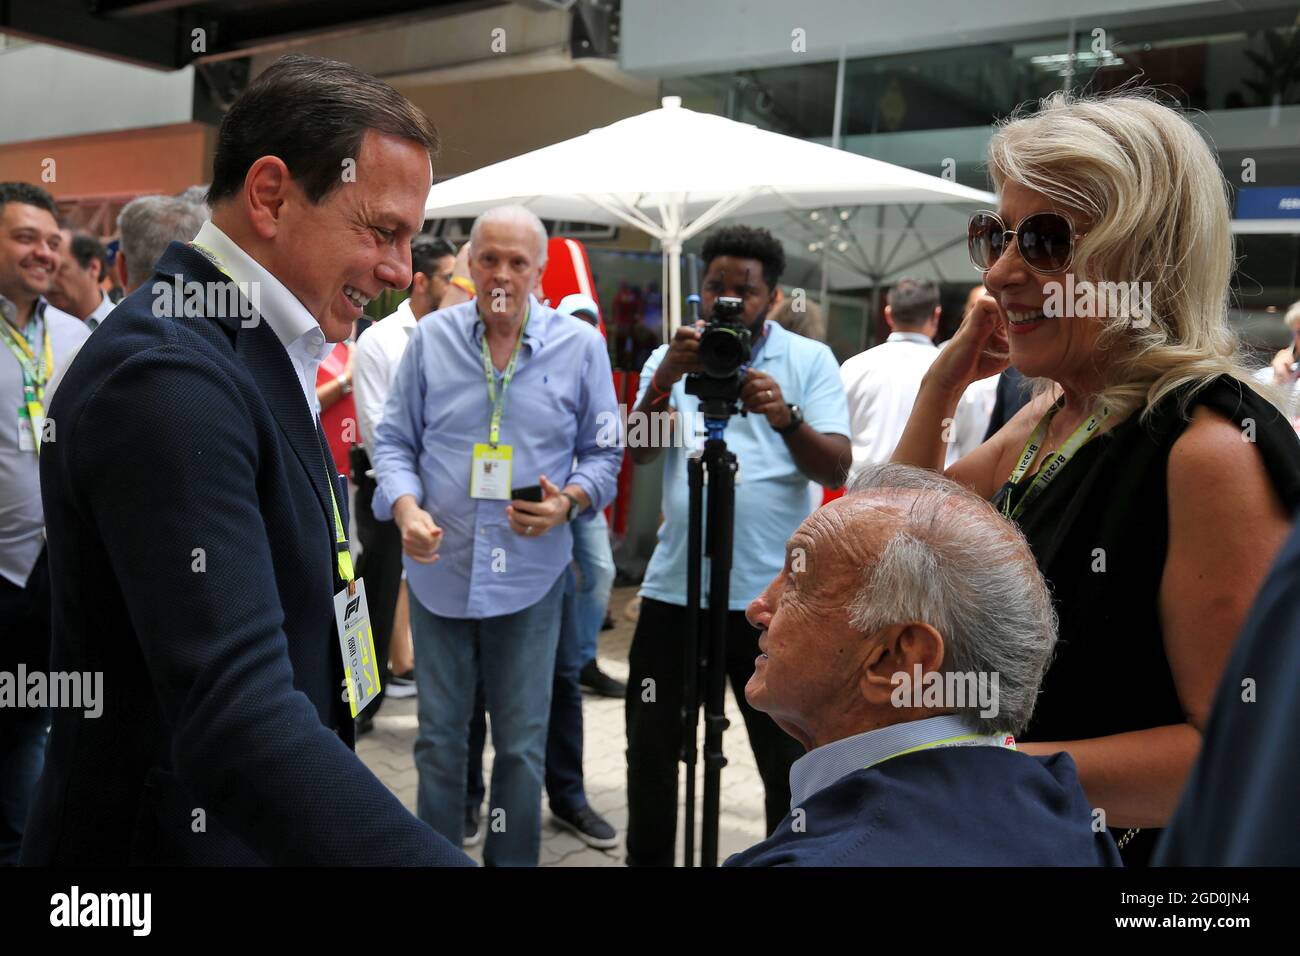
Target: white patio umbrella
(673, 173)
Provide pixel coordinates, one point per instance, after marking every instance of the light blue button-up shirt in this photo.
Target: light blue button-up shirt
(771, 491)
(823, 766)
(558, 407)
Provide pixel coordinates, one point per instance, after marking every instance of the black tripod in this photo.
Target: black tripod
(706, 659)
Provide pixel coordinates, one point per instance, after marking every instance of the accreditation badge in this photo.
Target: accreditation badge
(490, 472)
(357, 642)
(26, 437)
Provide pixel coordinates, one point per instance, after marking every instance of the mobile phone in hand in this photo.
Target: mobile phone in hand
(531, 493)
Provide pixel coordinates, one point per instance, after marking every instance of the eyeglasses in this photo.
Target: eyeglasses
(1045, 240)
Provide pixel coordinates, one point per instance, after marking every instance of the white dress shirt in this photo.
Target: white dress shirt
(374, 366)
(971, 420)
(295, 327)
(881, 386)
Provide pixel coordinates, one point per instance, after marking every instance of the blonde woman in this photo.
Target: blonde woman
(1153, 481)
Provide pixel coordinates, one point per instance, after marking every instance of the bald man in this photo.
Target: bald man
(903, 645)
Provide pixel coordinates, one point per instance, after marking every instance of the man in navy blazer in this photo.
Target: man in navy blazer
(903, 645)
(191, 524)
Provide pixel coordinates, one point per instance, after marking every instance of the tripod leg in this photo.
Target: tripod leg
(721, 465)
(691, 665)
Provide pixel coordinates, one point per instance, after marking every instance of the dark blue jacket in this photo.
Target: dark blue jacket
(953, 806)
(1239, 806)
(192, 562)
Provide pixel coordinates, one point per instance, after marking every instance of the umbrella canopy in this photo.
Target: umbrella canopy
(673, 173)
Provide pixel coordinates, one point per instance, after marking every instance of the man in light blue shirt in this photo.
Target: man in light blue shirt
(485, 569)
(796, 429)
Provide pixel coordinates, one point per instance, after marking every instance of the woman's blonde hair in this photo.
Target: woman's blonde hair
(1156, 210)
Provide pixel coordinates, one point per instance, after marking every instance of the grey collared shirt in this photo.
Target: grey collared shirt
(823, 766)
(22, 519)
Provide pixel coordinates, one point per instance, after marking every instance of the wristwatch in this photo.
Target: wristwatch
(345, 384)
(796, 419)
(574, 508)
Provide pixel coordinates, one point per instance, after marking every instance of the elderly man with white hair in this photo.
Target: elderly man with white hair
(489, 447)
(903, 645)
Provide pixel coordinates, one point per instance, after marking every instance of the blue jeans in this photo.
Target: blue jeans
(511, 652)
(22, 755)
(564, 788)
(564, 785)
(595, 557)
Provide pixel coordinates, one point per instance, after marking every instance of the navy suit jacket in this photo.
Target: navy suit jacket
(1239, 806)
(953, 806)
(192, 561)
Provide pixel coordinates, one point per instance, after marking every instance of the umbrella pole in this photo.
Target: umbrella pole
(674, 312)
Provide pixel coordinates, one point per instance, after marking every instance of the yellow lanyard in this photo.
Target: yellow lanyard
(964, 740)
(499, 401)
(35, 375)
(1082, 435)
(340, 537)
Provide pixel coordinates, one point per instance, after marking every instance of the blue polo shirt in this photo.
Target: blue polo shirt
(771, 491)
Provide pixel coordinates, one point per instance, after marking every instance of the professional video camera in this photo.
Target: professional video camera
(724, 349)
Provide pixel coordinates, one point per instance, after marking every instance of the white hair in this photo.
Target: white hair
(956, 564)
(148, 224)
(1292, 317)
(515, 215)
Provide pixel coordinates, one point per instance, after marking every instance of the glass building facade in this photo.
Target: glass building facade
(933, 111)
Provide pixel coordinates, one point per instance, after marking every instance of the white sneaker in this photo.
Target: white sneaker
(400, 686)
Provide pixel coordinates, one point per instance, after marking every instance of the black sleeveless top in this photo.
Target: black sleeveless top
(1100, 534)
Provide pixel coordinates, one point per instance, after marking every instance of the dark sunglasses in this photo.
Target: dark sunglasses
(1045, 240)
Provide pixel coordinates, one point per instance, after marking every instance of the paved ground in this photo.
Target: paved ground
(387, 751)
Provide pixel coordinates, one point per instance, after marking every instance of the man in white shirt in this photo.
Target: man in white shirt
(881, 383)
(378, 353)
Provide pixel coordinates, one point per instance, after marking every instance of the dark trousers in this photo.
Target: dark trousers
(654, 729)
(24, 639)
(564, 782)
(380, 566)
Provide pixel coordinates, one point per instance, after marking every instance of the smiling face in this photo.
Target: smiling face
(1062, 348)
(338, 254)
(808, 673)
(29, 252)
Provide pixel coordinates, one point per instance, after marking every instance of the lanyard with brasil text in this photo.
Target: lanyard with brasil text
(1082, 435)
(964, 740)
(499, 400)
(341, 539)
(35, 374)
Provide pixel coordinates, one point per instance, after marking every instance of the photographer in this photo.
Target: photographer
(796, 428)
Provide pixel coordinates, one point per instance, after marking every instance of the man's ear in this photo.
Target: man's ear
(889, 317)
(897, 649)
(119, 268)
(267, 187)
